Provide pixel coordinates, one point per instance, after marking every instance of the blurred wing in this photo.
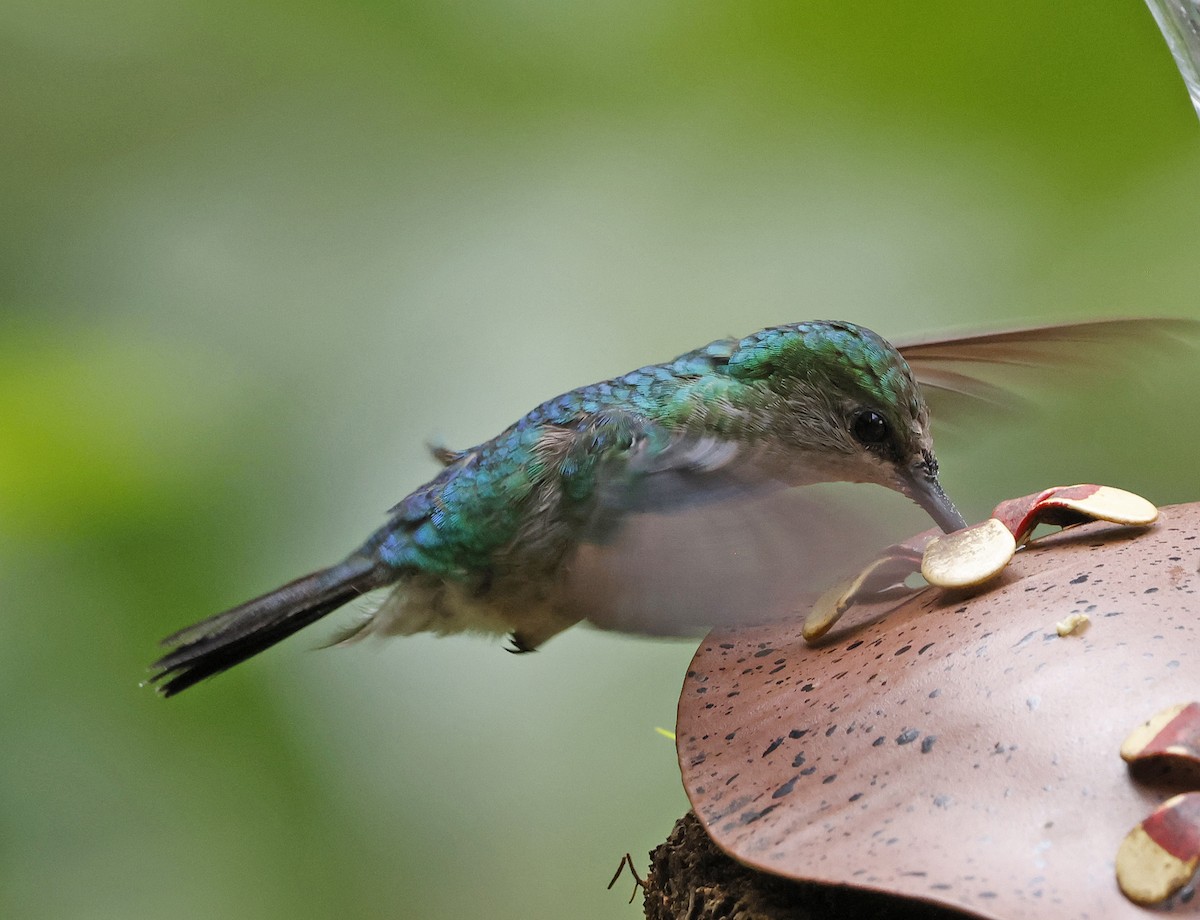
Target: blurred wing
(696, 536)
(992, 367)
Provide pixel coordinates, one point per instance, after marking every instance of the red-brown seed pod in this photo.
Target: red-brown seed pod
(1159, 856)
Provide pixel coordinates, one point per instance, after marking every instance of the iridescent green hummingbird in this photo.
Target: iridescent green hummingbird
(678, 495)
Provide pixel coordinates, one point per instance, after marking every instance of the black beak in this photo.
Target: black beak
(922, 486)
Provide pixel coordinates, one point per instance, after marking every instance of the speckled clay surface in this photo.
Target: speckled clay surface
(955, 748)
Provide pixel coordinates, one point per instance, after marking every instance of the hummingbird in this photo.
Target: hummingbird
(677, 495)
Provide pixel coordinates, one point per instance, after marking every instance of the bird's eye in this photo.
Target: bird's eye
(870, 428)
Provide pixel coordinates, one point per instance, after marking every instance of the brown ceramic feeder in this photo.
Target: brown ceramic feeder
(952, 749)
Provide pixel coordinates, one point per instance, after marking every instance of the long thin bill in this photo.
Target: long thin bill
(927, 492)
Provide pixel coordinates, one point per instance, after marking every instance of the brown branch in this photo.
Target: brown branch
(690, 879)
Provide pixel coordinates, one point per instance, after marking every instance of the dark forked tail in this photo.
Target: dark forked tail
(218, 643)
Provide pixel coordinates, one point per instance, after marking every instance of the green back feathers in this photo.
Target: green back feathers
(475, 508)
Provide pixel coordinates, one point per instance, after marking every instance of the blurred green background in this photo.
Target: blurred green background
(254, 254)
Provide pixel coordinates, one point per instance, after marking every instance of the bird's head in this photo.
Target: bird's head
(848, 401)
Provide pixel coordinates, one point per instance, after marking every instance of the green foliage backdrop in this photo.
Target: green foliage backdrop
(254, 254)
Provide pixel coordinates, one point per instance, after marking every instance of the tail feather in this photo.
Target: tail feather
(218, 643)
